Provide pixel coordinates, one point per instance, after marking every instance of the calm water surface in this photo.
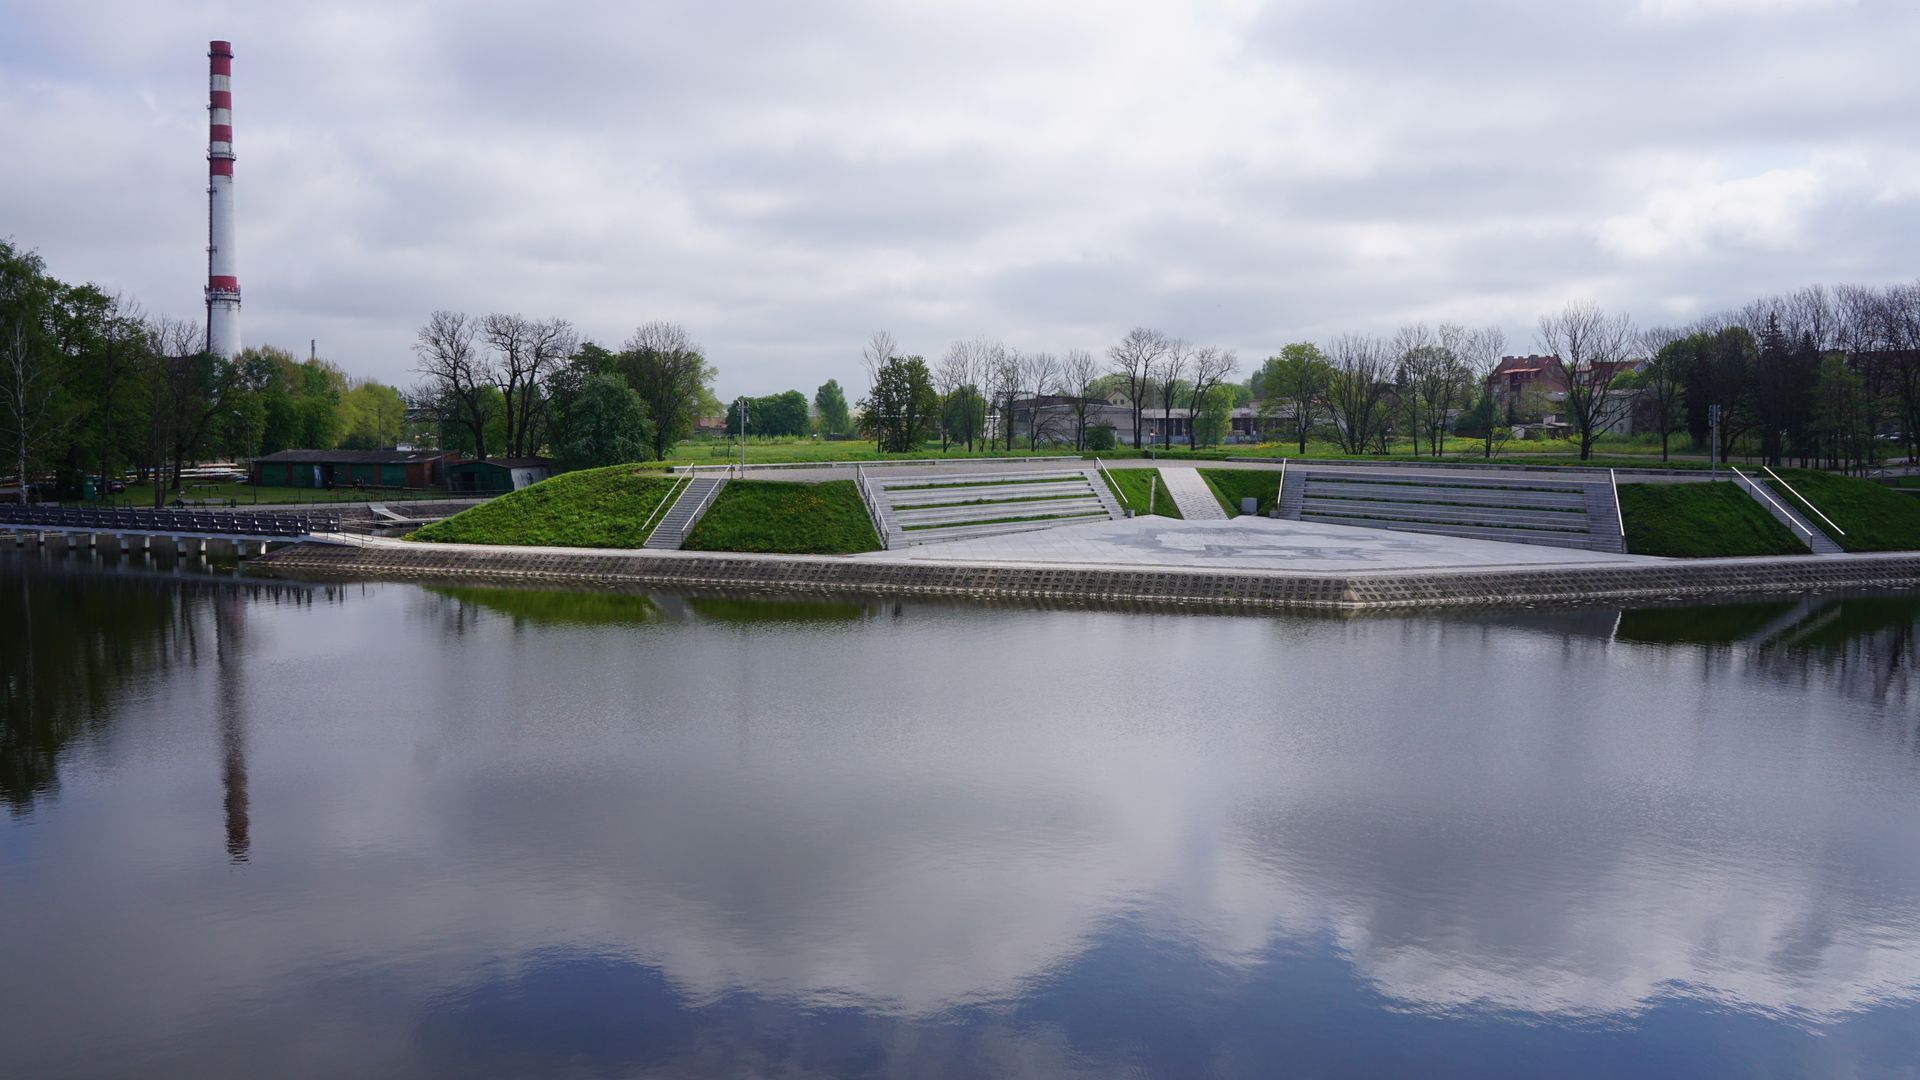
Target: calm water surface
(254, 829)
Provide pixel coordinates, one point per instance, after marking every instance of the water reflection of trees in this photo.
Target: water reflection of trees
(81, 636)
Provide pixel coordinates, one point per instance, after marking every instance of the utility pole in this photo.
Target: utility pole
(740, 406)
(1713, 449)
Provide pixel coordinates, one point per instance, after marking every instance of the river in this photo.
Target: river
(282, 828)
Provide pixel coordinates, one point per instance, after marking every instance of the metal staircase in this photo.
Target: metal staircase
(685, 513)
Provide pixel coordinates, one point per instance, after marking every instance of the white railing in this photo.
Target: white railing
(1775, 503)
(1808, 503)
(1618, 517)
(873, 508)
(1112, 484)
(1280, 496)
(687, 525)
(674, 489)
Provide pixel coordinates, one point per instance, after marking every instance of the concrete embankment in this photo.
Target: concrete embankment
(1150, 585)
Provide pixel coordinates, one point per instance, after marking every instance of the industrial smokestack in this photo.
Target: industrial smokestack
(223, 272)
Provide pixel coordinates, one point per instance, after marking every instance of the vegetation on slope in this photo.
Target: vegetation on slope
(1694, 521)
(786, 518)
(1874, 516)
(590, 508)
(1232, 485)
(1133, 487)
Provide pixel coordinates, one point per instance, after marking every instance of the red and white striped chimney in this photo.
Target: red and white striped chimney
(223, 280)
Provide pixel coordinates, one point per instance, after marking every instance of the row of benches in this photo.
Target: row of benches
(188, 521)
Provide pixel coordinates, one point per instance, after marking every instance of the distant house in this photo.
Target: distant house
(497, 474)
(352, 468)
(1515, 376)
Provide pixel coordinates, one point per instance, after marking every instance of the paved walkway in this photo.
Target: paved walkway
(1248, 543)
(1191, 493)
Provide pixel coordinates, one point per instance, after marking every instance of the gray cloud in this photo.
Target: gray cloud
(786, 178)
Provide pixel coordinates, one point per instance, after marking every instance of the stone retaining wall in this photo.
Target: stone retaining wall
(1151, 585)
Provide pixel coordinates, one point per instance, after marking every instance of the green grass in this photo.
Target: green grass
(592, 508)
(1133, 486)
(558, 608)
(1873, 516)
(1694, 521)
(827, 518)
(1232, 485)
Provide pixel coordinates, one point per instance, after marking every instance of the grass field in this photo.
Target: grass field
(1232, 485)
(1134, 487)
(1872, 516)
(786, 518)
(1628, 451)
(592, 508)
(1694, 521)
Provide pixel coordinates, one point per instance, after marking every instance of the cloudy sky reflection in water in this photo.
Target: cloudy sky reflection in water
(1141, 837)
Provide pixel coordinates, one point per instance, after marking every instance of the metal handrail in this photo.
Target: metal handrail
(1112, 484)
(1804, 499)
(687, 526)
(659, 509)
(865, 489)
(1762, 492)
(1618, 517)
(1280, 496)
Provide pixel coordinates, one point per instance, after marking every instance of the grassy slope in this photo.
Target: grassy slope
(590, 508)
(1695, 521)
(1131, 487)
(1232, 485)
(1875, 517)
(796, 519)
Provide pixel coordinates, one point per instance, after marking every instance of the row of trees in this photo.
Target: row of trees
(95, 385)
(513, 386)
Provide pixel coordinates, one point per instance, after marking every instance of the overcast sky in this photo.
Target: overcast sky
(785, 178)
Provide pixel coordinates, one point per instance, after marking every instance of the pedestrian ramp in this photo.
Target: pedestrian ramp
(1577, 513)
(913, 510)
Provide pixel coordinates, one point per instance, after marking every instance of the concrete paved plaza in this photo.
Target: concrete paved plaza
(1248, 543)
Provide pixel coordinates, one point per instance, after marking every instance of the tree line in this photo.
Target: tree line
(92, 385)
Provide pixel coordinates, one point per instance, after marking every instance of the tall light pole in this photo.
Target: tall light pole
(740, 406)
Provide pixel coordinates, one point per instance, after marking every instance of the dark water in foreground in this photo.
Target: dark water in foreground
(259, 829)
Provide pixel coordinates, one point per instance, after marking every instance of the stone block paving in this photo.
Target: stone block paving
(1250, 543)
(1191, 493)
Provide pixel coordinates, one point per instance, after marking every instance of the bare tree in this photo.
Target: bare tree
(1589, 348)
(1002, 374)
(1414, 356)
(447, 356)
(1040, 378)
(190, 389)
(1176, 360)
(1133, 361)
(1357, 392)
(1665, 379)
(951, 378)
(525, 351)
(1077, 379)
(1480, 354)
(1211, 367)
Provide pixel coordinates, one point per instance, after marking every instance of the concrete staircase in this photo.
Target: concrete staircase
(685, 513)
(924, 509)
(1571, 513)
(1776, 504)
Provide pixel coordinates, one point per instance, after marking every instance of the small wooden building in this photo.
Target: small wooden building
(497, 474)
(353, 468)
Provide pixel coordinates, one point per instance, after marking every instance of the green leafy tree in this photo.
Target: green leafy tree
(900, 411)
(831, 403)
(605, 423)
(672, 377)
(1292, 387)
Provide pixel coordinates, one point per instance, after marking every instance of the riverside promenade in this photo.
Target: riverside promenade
(1249, 563)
